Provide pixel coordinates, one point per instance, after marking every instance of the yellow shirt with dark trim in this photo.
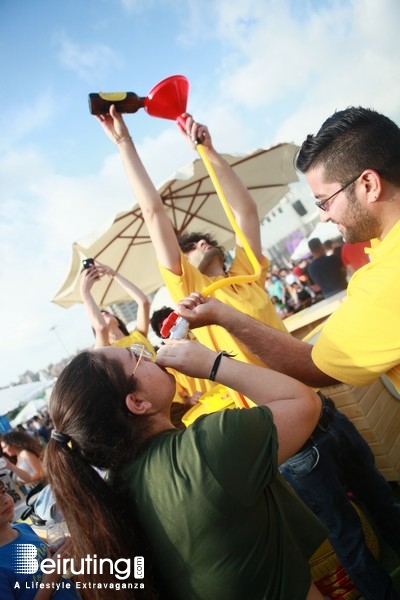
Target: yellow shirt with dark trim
(361, 339)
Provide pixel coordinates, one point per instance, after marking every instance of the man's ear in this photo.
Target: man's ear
(136, 404)
(372, 185)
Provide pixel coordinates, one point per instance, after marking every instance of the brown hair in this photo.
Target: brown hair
(22, 441)
(95, 429)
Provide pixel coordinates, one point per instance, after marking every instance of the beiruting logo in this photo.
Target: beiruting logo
(25, 561)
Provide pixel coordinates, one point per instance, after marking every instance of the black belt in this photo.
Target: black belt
(325, 419)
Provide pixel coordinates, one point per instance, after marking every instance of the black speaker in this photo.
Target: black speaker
(299, 208)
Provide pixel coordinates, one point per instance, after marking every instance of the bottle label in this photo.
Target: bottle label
(113, 96)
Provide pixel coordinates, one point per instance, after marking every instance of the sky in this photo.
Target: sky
(261, 72)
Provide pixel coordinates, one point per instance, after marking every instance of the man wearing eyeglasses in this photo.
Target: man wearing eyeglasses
(353, 168)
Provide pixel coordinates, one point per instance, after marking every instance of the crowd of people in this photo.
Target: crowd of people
(236, 504)
(325, 272)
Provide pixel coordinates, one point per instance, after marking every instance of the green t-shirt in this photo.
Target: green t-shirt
(221, 521)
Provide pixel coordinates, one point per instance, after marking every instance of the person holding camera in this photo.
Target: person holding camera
(110, 330)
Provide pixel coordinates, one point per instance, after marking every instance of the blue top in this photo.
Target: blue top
(14, 558)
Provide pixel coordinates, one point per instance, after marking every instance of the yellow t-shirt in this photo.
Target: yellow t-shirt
(361, 339)
(135, 337)
(250, 298)
(190, 385)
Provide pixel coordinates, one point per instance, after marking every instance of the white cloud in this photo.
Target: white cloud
(291, 74)
(86, 61)
(31, 117)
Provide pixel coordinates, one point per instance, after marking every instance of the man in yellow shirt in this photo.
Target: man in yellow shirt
(353, 167)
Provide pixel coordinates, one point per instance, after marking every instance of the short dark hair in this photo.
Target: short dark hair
(186, 241)
(350, 141)
(315, 244)
(158, 317)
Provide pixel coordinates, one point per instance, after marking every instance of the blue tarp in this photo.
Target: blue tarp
(5, 425)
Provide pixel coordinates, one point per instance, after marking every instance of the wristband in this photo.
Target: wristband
(215, 366)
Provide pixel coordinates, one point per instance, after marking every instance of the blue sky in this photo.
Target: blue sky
(260, 71)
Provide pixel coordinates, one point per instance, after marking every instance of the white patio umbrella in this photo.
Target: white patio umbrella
(192, 204)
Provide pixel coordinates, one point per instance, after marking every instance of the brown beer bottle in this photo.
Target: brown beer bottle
(125, 102)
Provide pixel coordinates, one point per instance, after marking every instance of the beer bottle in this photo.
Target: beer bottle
(125, 102)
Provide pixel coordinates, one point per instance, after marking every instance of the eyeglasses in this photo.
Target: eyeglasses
(140, 351)
(323, 203)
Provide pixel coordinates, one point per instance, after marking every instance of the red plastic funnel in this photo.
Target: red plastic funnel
(168, 99)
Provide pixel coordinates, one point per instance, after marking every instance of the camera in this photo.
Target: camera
(87, 263)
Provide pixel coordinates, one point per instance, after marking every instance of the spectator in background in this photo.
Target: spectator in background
(301, 272)
(20, 584)
(299, 296)
(28, 468)
(328, 247)
(276, 288)
(333, 247)
(327, 272)
(108, 329)
(354, 256)
(39, 430)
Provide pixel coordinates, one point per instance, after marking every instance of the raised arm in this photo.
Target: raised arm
(96, 319)
(159, 226)
(143, 312)
(239, 198)
(295, 407)
(33, 472)
(280, 351)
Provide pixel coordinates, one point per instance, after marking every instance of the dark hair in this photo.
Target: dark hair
(87, 406)
(23, 441)
(121, 325)
(186, 242)
(350, 141)
(158, 317)
(315, 245)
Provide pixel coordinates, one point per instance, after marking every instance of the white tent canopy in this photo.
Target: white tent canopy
(18, 395)
(29, 411)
